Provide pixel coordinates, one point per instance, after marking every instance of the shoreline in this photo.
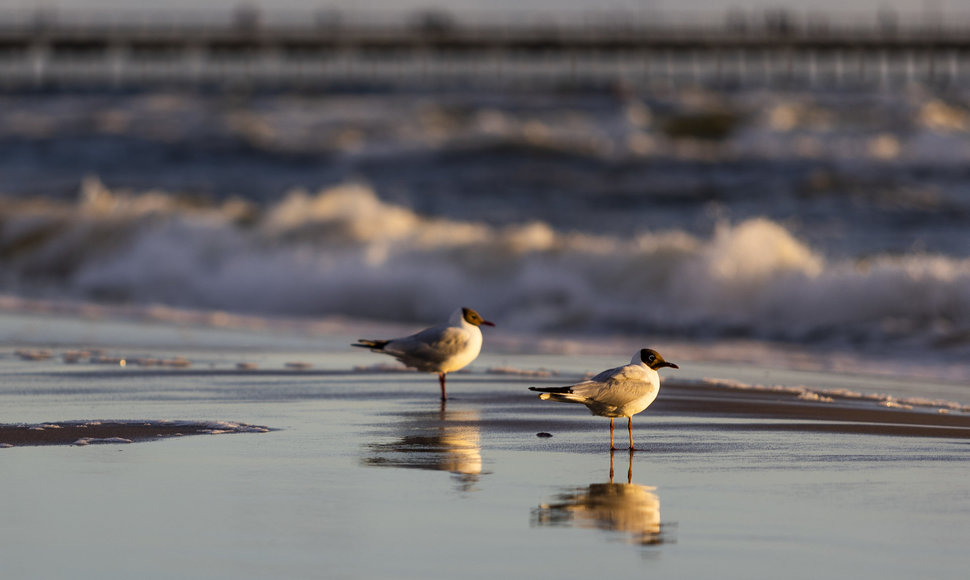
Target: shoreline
(746, 409)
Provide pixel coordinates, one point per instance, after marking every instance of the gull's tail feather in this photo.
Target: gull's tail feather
(563, 394)
(371, 344)
(557, 390)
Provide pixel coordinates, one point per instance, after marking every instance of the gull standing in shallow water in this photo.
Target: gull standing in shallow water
(619, 392)
(440, 349)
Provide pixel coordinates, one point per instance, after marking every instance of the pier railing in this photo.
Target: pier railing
(41, 50)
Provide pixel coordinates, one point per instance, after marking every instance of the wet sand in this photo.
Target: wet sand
(111, 432)
(787, 412)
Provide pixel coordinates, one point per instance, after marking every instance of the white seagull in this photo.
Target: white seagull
(619, 392)
(440, 349)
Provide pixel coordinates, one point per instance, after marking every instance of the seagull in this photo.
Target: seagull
(440, 349)
(618, 392)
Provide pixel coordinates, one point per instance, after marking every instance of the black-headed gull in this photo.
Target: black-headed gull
(619, 392)
(440, 349)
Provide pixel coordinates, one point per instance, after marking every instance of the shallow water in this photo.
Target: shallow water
(367, 476)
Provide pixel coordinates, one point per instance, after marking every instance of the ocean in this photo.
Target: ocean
(808, 218)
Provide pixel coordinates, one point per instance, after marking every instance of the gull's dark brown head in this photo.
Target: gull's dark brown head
(652, 359)
(472, 317)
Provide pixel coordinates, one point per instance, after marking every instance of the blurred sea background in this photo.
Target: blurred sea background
(803, 183)
(203, 204)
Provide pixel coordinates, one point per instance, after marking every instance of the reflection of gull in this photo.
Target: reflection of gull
(618, 392)
(622, 507)
(442, 441)
(439, 349)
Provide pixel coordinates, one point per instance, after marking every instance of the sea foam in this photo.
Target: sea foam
(345, 251)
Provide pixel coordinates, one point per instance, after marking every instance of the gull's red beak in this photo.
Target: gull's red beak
(487, 323)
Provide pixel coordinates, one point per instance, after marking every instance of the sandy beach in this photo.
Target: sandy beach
(365, 474)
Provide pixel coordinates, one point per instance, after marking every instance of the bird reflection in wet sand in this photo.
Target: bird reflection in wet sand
(627, 507)
(439, 441)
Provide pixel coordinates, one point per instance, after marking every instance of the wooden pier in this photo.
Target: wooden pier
(433, 51)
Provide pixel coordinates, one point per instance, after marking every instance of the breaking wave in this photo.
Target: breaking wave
(345, 251)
